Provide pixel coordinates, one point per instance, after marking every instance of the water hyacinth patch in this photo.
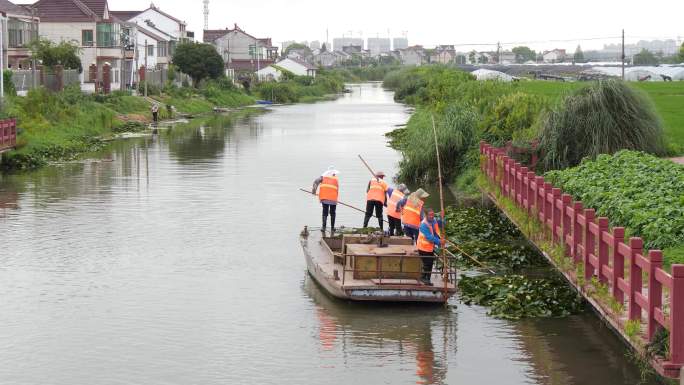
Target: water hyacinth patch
(515, 296)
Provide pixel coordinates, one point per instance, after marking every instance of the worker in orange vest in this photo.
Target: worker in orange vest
(394, 215)
(328, 191)
(411, 208)
(429, 238)
(376, 198)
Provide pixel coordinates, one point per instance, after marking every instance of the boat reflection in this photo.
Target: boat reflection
(389, 333)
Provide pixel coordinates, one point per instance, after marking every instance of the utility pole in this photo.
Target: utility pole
(145, 70)
(498, 52)
(622, 59)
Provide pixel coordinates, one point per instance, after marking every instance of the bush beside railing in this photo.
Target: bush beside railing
(601, 253)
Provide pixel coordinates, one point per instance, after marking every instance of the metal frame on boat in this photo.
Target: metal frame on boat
(370, 267)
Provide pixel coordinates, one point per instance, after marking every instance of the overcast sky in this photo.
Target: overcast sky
(431, 22)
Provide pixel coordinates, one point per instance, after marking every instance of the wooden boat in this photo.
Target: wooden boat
(371, 268)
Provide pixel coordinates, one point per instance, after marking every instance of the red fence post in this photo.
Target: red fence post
(677, 316)
(602, 249)
(548, 187)
(555, 214)
(523, 187)
(589, 243)
(567, 222)
(655, 290)
(538, 199)
(635, 279)
(576, 231)
(530, 192)
(618, 264)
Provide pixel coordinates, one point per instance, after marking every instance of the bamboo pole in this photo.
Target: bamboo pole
(445, 274)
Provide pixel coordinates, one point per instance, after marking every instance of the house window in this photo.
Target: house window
(108, 35)
(150, 50)
(87, 37)
(20, 33)
(162, 49)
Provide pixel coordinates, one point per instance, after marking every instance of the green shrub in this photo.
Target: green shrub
(455, 135)
(10, 89)
(511, 115)
(602, 118)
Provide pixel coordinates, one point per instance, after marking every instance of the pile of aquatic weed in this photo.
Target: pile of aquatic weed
(491, 238)
(516, 296)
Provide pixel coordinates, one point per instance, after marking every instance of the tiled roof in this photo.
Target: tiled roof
(13, 9)
(70, 10)
(153, 7)
(212, 34)
(302, 63)
(124, 15)
(248, 64)
(152, 34)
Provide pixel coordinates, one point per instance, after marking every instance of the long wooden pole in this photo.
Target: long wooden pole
(445, 275)
(368, 167)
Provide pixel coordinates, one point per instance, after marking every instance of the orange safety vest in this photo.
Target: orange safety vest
(377, 190)
(423, 243)
(328, 189)
(392, 204)
(410, 215)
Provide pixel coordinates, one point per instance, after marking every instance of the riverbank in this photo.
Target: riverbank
(62, 126)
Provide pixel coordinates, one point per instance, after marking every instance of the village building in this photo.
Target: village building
(554, 56)
(296, 66)
(90, 25)
(22, 28)
(443, 54)
(241, 52)
(414, 55)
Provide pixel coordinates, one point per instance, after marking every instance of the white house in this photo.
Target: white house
(269, 73)
(412, 56)
(326, 59)
(160, 20)
(297, 67)
(554, 56)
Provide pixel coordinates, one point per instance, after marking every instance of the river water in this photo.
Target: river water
(175, 260)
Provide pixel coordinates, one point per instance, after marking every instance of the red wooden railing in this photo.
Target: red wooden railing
(8, 134)
(622, 266)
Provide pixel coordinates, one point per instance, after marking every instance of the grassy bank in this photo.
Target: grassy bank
(295, 89)
(61, 126)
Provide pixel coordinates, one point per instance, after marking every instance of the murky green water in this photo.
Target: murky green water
(175, 260)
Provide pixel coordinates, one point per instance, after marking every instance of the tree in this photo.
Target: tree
(523, 54)
(324, 48)
(51, 54)
(297, 46)
(199, 61)
(645, 57)
(483, 59)
(472, 57)
(681, 54)
(578, 57)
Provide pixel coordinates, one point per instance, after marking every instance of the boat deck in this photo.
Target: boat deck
(397, 281)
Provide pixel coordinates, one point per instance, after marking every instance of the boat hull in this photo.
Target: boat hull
(328, 275)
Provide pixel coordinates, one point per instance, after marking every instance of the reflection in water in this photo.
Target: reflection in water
(385, 332)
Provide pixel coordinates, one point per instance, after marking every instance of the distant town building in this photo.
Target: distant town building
(506, 57)
(315, 45)
(443, 54)
(240, 50)
(352, 49)
(414, 55)
(340, 42)
(658, 47)
(378, 45)
(399, 43)
(554, 56)
(326, 59)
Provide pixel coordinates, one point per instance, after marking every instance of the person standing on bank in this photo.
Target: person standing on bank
(411, 208)
(328, 191)
(394, 215)
(376, 198)
(429, 238)
(155, 112)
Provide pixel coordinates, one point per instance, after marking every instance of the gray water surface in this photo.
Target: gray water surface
(176, 260)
